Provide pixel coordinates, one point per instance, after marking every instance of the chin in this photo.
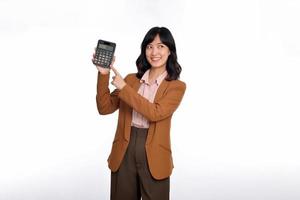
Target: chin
(156, 65)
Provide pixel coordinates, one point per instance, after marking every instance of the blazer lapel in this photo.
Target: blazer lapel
(160, 91)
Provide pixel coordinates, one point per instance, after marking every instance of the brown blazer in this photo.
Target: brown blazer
(159, 114)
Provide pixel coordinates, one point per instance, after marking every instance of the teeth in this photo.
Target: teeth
(155, 59)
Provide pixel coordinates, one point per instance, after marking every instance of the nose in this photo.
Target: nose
(154, 51)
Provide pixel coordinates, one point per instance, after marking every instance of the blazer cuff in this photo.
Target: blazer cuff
(125, 92)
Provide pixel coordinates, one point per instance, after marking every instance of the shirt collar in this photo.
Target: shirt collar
(158, 80)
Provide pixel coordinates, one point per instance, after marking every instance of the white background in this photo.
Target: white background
(234, 137)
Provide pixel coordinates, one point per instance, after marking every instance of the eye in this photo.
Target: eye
(148, 47)
(161, 46)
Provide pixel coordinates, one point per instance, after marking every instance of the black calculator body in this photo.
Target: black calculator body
(104, 53)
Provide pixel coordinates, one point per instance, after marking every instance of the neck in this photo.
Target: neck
(155, 72)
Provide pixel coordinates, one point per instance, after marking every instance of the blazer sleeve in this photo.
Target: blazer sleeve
(158, 110)
(107, 102)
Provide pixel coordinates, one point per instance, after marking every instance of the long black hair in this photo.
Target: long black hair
(173, 67)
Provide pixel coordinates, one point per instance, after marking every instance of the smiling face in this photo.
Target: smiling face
(157, 53)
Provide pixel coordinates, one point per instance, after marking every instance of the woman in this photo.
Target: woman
(141, 158)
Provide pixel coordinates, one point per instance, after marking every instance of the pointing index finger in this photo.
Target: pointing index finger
(115, 71)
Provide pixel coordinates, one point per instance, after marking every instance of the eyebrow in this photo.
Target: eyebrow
(157, 43)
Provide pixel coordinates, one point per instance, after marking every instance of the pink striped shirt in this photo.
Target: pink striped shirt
(148, 91)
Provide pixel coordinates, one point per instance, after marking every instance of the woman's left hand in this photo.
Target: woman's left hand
(118, 81)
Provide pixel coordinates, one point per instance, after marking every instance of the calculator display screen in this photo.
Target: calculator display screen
(110, 48)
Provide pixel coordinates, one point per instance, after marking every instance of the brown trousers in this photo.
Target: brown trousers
(133, 179)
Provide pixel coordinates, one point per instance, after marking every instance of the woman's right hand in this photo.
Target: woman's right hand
(101, 69)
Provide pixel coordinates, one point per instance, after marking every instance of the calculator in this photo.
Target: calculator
(104, 53)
